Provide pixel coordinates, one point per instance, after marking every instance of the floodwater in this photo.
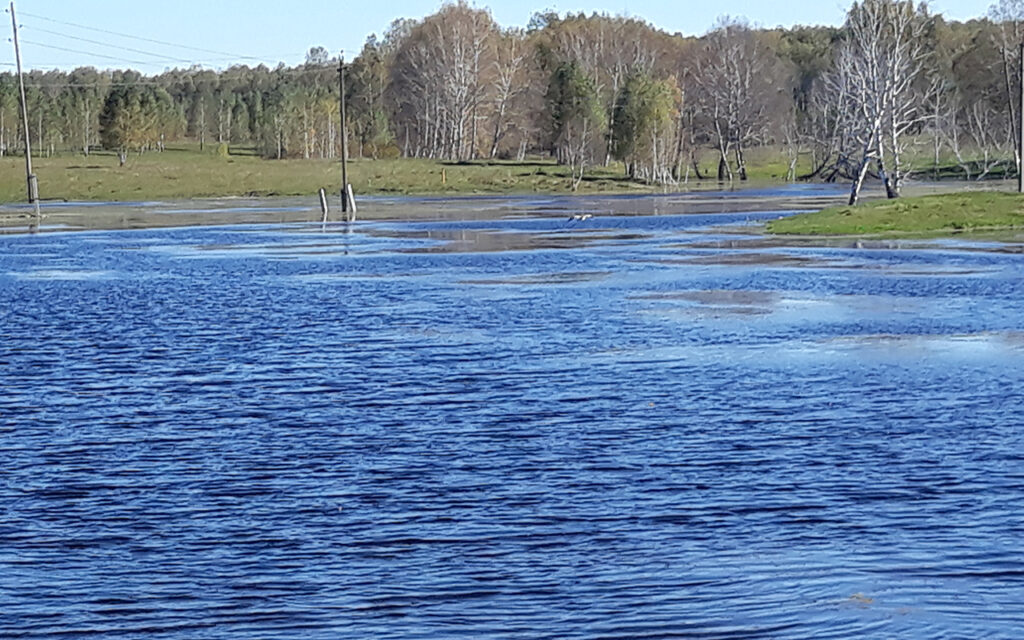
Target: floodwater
(632, 426)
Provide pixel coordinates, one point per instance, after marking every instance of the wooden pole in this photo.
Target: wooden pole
(30, 178)
(1020, 129)
(345, 189)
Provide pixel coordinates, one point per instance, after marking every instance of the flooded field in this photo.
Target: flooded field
(653, 423)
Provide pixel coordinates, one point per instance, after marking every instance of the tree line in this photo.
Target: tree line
(893, 81)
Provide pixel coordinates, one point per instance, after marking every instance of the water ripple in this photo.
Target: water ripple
(449, 430)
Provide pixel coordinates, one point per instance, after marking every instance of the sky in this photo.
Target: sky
(66, 34)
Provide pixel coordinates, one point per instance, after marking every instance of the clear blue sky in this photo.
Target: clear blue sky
(216, 32)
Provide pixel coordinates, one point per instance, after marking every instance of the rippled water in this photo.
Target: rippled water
(627, 427)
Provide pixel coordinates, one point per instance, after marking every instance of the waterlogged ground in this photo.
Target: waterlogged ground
(632, 426)
(706, 198)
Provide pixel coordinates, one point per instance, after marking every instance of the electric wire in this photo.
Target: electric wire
(229, 56)
(159, 83)
(86, 53)
(94, 85)
(158, 58)
(107, 44)
(139, 38)
(94, 54)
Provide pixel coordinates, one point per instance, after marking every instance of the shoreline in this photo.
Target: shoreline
(971, 214)
(15, 218)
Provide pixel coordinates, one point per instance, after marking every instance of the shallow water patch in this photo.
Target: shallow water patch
(574, 277)
(753, 259)
(80, 275)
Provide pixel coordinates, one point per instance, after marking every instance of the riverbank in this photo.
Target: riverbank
(925, 215)
(277, 210)
(712, 198)
(697, 198)
(184, 173)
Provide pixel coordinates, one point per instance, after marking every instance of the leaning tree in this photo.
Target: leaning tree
(877, 83)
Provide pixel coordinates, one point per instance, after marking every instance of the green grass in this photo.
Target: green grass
(183, 172)
(947, 214)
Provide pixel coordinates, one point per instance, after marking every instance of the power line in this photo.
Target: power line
(91, 85)
(139, 38)
(88, 53)
(125, 60)
(288, 71)
(41, 64)
(112, 46)
(157, 57)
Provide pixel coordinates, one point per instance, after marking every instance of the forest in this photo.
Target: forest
(893, 85)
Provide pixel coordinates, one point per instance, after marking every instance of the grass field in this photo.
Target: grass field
(954, 213)
(183, 172)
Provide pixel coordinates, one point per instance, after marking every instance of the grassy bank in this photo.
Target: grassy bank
(183, 172)
(953, 213)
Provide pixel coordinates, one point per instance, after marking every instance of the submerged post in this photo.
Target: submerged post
(351, 215)
(30, 179)
(323, 205)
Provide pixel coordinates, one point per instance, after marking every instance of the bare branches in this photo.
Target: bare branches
(872, 98)
(438, 80)
(739, 81)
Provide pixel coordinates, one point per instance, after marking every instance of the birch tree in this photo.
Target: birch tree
(739, 80)
(878, 67)
(1009, 15)
(438, 80)
(366, 88)
(976, 121)
(511, 82)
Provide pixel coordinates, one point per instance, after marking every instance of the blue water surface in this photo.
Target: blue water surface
(625, 427)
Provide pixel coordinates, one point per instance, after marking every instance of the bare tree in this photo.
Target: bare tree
(969, 114)
(740, 81)
(879, 66)
(510, 82)
(1009, 15)
(438, 79)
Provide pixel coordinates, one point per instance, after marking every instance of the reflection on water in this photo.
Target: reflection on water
(633, 427)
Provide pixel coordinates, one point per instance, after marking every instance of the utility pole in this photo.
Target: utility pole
(1020, 128)
(33, 185)
(346, 189)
